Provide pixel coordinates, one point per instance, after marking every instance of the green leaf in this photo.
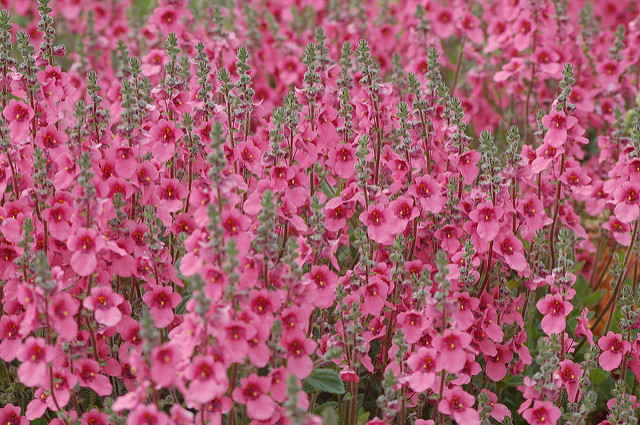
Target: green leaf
(594, 298)
(326, 380)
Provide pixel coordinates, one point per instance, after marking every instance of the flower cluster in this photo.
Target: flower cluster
(272, 212)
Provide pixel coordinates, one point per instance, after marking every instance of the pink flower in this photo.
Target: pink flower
(627, 197)
(10, 415)
(34, 355)
(235, 335)
(464, 316)
(61, 384)
(412, 324)
(495, 365)
(161, 301)
(569, 374)
(19, 116)
(208, 380)
(104, 302)
(427, 191)
(555, 309)
(298, 349)
(467, 166)
(381, 223)
(89, 374)
(558, 124)
(85, 245)
(498, 411)
(167, 19)
(374, 294)
(164, 136)
(253, 393)
(542, 413)
(324, 280)
(583, 327)
(164, 361)
(10, 338)
(58, 218)
(50, 138)
(451, 348)
(619, 230)
(510, 248)
(343, 160)
(488, 218)
(147, 414)
(404, 210)
(423, 365)
(62, 310)
(613, 349)
(459, 404)
(94, 417)
(449, 238)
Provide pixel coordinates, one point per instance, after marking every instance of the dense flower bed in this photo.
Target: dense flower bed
(305, 212)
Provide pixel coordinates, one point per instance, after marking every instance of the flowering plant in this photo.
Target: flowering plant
(305, 212)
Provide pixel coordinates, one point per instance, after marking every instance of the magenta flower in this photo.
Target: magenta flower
(253, 393)
(459, 404)
(542, 413)
(555, 310)
(451, 348)
(34, 356)
(104, 303)
(613, 349)
(85, 245)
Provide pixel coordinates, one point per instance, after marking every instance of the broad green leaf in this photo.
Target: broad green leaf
(326, 380)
